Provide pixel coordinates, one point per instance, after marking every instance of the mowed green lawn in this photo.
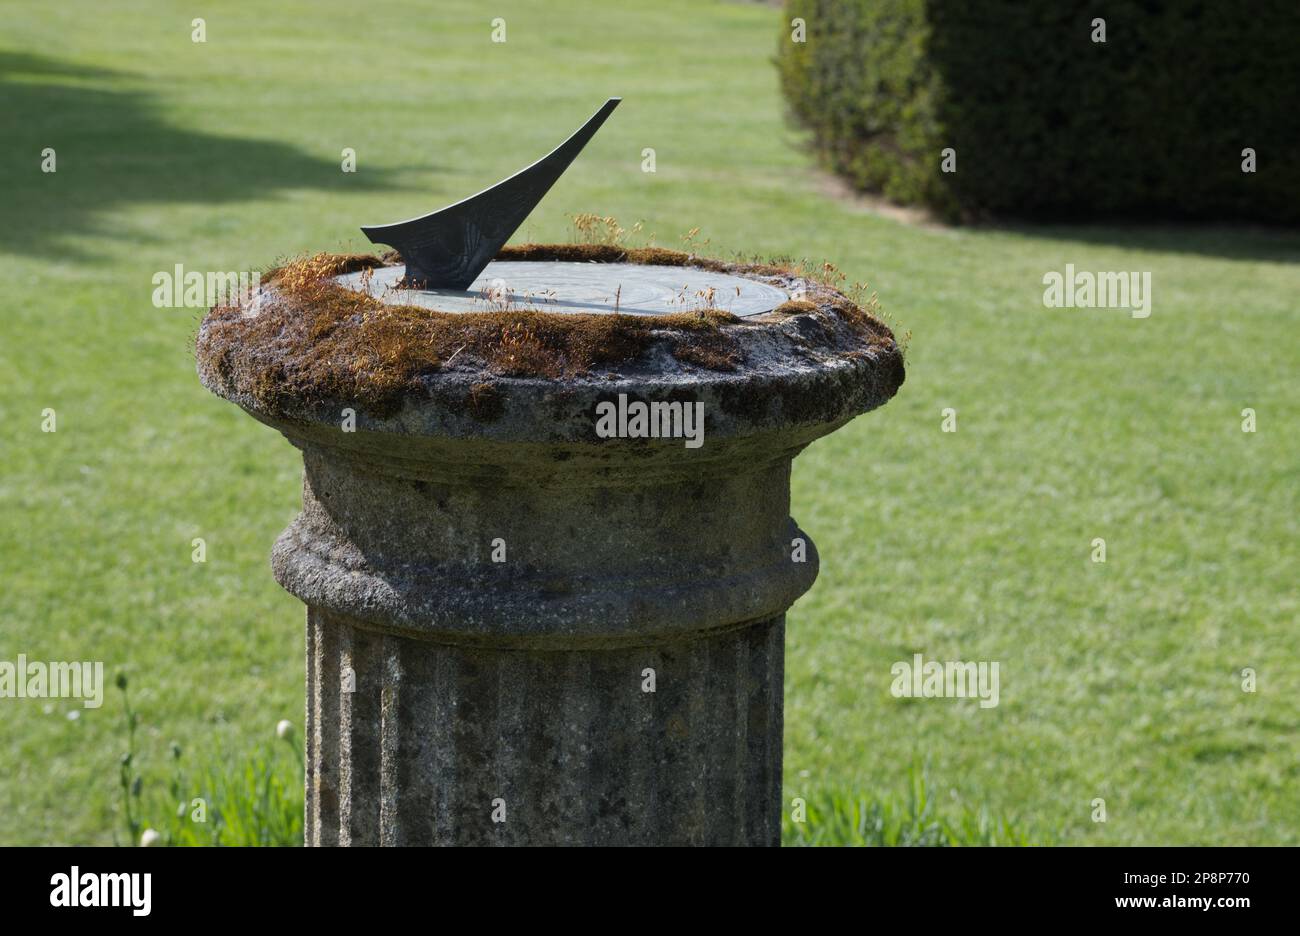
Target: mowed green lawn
(1119, 680)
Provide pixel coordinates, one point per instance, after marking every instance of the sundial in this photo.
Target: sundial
(635, 473)
(449, 265)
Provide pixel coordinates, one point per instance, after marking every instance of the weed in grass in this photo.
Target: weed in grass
(837, 817)
(257, 802)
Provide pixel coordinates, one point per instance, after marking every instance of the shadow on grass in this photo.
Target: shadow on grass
(113, 149)
(1226, 241)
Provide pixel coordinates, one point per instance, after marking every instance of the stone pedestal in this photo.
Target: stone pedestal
(451, 745)
(519, 632)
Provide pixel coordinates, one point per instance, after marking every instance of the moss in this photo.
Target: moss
(320, 341)
(711, 350)
(795, 307)
(861, 320)
(325, 265)
(314, 341)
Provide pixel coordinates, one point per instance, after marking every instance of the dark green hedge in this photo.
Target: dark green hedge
(1046, 123)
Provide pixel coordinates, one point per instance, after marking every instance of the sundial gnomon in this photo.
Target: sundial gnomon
(449, 266)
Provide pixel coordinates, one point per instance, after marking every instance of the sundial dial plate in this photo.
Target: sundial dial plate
(566, 288)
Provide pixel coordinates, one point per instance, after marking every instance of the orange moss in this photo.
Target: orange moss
(318, 341)
(323, 265)
(795, 307)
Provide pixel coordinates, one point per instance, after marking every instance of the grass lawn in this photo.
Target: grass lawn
(1119, 680)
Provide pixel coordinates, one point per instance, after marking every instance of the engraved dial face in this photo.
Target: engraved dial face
(600, 288)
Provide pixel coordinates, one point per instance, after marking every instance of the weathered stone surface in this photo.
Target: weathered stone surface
(456, 699)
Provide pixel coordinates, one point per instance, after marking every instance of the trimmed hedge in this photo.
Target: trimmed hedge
(1046, 123)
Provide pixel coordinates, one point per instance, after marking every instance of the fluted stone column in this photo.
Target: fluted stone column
(521, 633)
